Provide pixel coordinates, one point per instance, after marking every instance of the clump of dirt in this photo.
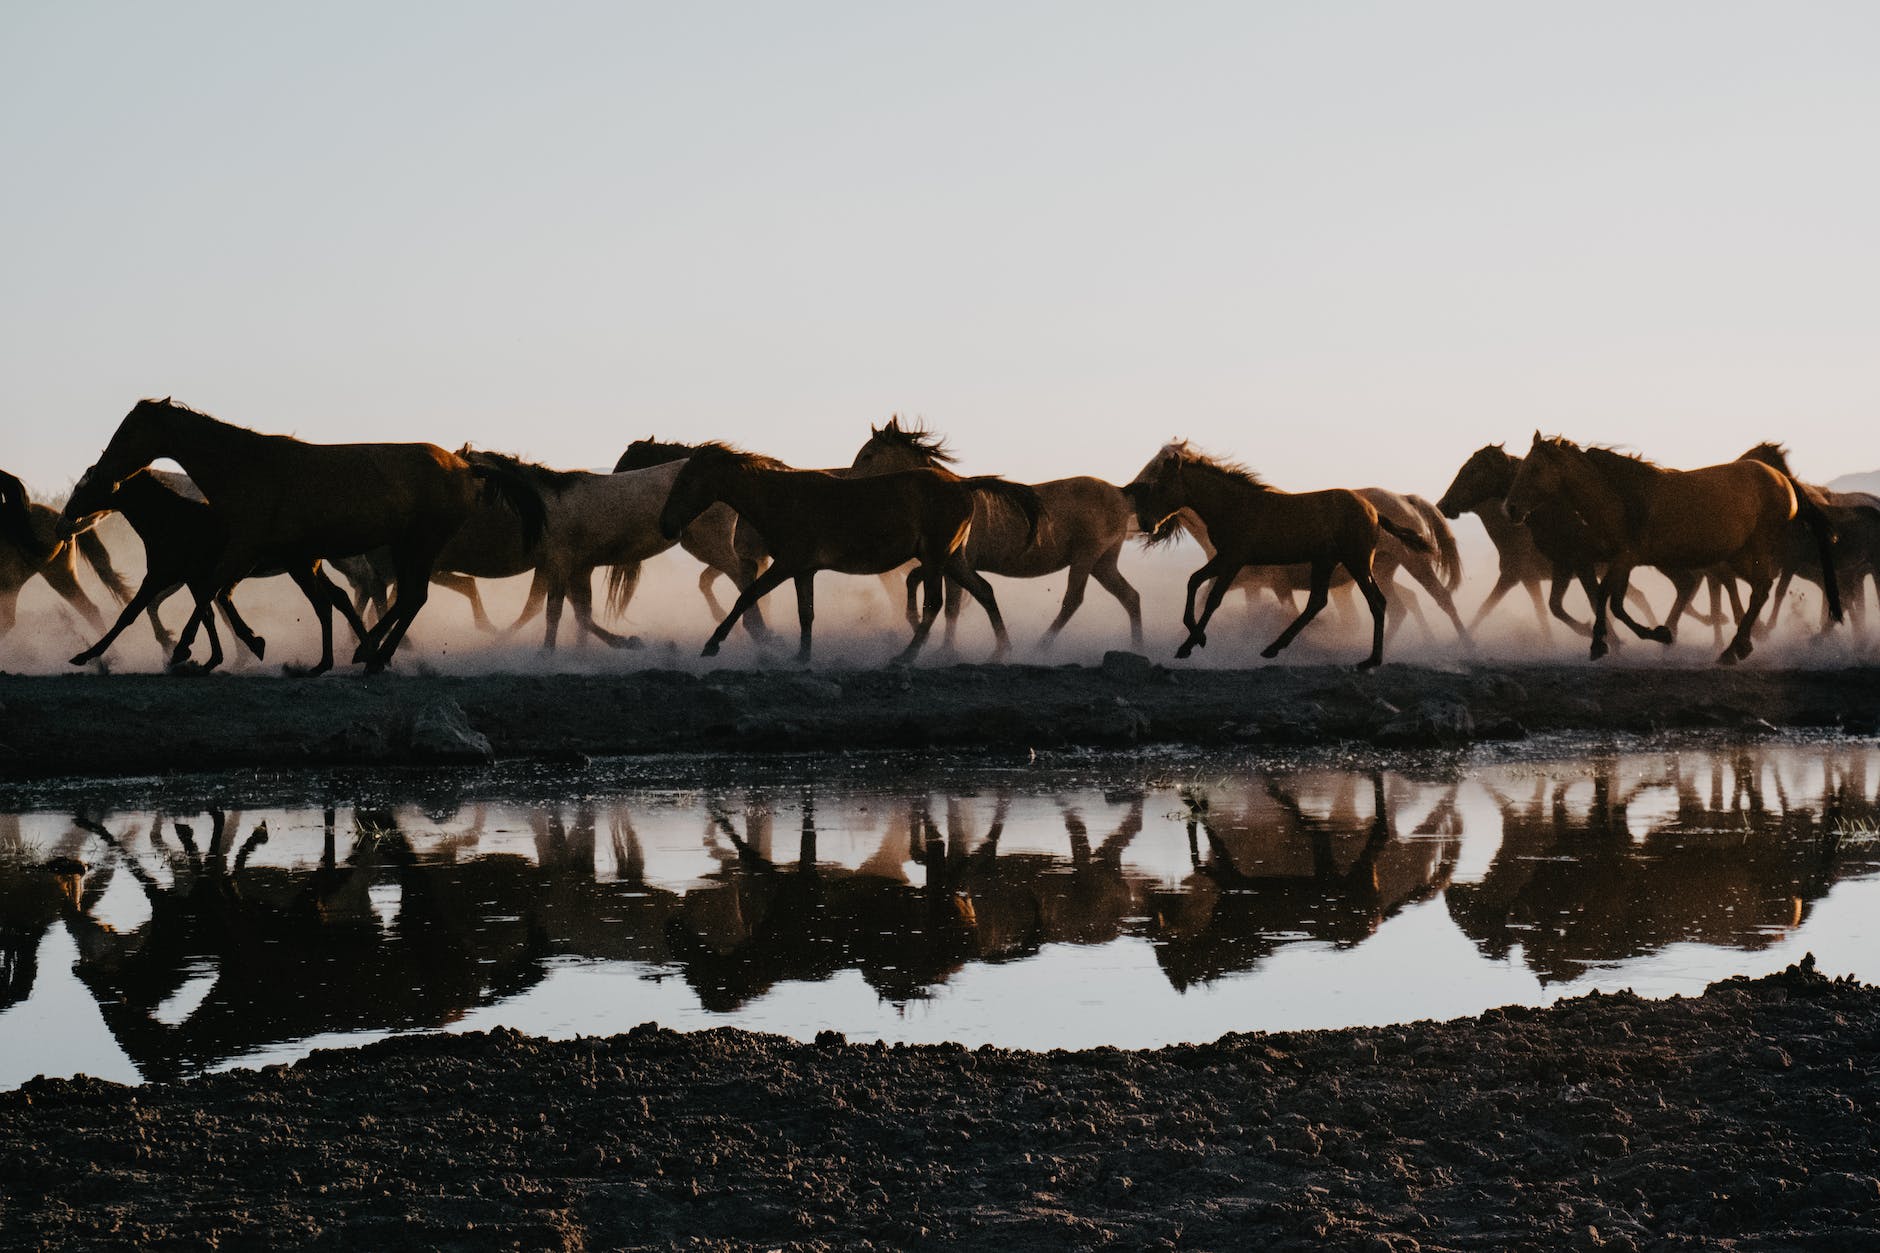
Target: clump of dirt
(1609, 1122)
(134, 724)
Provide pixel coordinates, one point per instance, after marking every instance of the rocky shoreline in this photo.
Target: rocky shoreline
(1744, 1118)
(97, 725)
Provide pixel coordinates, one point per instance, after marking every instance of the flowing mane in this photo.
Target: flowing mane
(1771, 454)
(917, 439)
(651, 451)
(1181, 452)
(718, 450)
(545, 478)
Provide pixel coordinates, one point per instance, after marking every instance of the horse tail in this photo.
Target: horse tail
(502, 485)
(1017, 495)
(621, 582)
(1816, 520)
(99, 558)
(1448, 559)
(1412, 539)
(15, 515)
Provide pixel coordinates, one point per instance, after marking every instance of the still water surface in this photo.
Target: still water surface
(1120, 903)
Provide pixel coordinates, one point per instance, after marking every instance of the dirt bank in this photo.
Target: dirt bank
(134, 724)
(1610, 1122)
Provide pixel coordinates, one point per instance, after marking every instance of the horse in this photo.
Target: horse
(811, 521)
(30, 547)
(1438, 567)
(1731, 518)
(1081, 527)
(1553, 542)
(182, 539)
(1254, 524)
(1856, 520)
(593, 520)
(714, 538)
(286, 502)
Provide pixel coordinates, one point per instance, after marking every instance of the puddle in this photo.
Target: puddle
(1115, 903)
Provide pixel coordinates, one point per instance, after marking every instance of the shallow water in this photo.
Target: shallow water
(1114, 900)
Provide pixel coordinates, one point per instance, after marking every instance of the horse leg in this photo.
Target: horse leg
(1425, 573)
(1503, 585)
(145, 597)
(1540, 609)
(1110, 578)
(933, 579)
(805, 614)
(707, 577)
(952, 606)
(773, 577)
(551, 615)
(1741, 646)
(1604, 596)
(58, 573)
(179, 656)
(1781, 593)
(1374, 597)
(1685, 589)
(976, 585)
(888, 585)
(215, 640)
(1215, 566)
(466, 586)
(1198, 636)
(1076, 578)
(1557, 596)
(240, 628)
(1316, 597)
(581, 597)
(316, 590)
(1662, 633)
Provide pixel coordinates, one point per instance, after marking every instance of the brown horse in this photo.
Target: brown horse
(1731, 518)
(1082, 524)
(1856, 520)
(182, 538)
(811, 521)
(1552, 543)
(288, 503)
(1437, 566)
(31, 547)
(714, 537)
(1253, 524)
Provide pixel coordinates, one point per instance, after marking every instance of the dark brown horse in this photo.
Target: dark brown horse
(288, 503)
(713, 537)
(1253, 524)
(1081, 528)
(1855, 517)
(1732, 519)
(811, 521)
(183, 538)
(31, 547)
(1551, 544)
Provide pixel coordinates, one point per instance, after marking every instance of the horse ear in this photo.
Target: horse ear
(164, 401)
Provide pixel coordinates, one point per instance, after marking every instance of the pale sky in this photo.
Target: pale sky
(1348, 243)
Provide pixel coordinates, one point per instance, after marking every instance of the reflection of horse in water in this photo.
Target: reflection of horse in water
(757, 923)
(297, 953)
(1273, 870)
(1577, 884)
(34, 894)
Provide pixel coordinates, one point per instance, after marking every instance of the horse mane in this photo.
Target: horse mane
(544, 477)
(1771, 454)
(176, 406)
(917, 439)
(652, 452)
(1186, 454)
(718, 450)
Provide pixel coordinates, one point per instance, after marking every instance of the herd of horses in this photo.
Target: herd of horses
(393, 519)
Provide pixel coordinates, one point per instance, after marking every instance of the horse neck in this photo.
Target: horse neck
(1606, 502)
(213, 453)
(1216, 496)
(891, 457)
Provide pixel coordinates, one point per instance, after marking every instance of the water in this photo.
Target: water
(1096, 900)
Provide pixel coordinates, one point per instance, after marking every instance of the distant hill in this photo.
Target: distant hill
(1868, 482)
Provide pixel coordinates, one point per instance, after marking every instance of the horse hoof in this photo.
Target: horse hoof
(1182, 652)
(1600, 649)
(83, 659)
(261, 649)
(1660, 634)
(1369, 663)
(710, 650)
(1269, 652)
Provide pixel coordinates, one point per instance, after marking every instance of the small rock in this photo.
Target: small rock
(1126, 667)
(441, 733)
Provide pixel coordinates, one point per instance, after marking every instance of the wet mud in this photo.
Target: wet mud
(1743, 1118)
(134, 724)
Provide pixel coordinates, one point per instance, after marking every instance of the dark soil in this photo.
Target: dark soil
(135, 724)
(1741, 1119)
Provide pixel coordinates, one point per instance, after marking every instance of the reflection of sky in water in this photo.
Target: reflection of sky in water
(1088, 922)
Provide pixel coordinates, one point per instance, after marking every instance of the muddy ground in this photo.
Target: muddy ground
(1741, 1119)
(136, 724)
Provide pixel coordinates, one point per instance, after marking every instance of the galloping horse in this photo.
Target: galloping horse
(288, 503)
(1081, 527)
(593, 520)
(30, 545)
(1253, 524)
(1552, 543)
(1733, 518)
(812, 521)
(183, 537)
(1856, 520)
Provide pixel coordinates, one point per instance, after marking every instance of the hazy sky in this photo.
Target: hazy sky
(1347, 242)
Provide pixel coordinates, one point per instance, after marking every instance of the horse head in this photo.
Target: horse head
(897, 447)
(138, 441)
(700, 484)
(1157, 492)
(1484, 477)
(1543, 476)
